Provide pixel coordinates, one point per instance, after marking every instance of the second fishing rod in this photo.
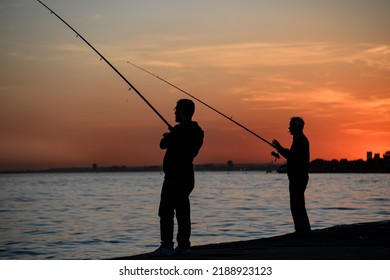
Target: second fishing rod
(275, 154)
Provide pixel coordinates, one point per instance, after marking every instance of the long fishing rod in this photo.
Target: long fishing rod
(113, 68)
(276, 155)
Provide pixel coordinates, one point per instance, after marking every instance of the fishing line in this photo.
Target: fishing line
(113, 68)
(276, 155)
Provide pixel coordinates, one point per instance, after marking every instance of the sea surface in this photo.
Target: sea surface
(107, 215)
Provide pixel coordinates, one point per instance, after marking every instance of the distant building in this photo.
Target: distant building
(386, 155)
(369, 155)
(377, 156)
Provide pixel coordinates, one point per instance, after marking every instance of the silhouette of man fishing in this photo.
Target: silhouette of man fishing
(298, 157)
(182, 145)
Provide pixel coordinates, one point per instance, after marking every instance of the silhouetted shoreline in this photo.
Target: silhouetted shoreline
(361, 241)
(345, 166)
(316, 166)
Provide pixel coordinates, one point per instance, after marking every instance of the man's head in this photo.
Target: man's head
(184, 110)
(296, 125)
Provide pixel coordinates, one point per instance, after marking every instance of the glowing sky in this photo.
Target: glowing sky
(260, 62)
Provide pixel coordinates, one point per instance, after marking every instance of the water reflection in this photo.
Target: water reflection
(103, 215)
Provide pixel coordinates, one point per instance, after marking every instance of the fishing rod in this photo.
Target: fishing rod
(113, 68)
(275, 154)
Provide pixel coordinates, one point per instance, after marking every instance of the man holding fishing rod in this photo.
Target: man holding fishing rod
(298, 157)
(182, 145)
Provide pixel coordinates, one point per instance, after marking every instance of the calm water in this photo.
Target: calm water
(105, 215)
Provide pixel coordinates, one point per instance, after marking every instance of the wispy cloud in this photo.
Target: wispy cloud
(163, 63)
(373, 56)
(249, 54)
(324, 96)
(76, 48)
(272, 54)
(21, 55)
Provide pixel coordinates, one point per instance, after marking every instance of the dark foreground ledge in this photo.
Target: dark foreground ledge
(363, 241)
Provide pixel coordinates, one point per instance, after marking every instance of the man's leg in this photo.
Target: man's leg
(183, 214)
(297, 205)
(166, 214)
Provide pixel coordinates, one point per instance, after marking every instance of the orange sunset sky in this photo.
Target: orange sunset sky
(260, 62)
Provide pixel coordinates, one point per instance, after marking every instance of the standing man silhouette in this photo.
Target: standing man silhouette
(182, 145)
(298, 157)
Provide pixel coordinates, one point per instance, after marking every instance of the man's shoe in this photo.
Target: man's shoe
(183, 251)
(163, 251)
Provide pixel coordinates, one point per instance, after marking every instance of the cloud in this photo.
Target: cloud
(252, 54)
(30, 51)
(22, 55)
(255, 54)
(328, 103)
(324, 96)
(75, 48)
(163, 63)
(373, 56)
(324, 78)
